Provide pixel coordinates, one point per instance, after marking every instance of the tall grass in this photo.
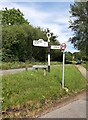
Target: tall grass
(32, 86)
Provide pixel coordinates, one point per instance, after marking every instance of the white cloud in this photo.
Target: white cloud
(34, 16)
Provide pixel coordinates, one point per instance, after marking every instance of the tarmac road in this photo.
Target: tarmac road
(83, 71)
(74, 109)
(12, 71)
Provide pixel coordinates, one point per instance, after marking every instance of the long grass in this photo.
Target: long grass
(32, 86)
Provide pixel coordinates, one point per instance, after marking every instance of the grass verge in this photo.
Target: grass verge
(85, 65)
(15, 65)
(32, 90)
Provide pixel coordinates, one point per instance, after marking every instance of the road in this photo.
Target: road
(72, 109)
(83, 71)
(12, 71)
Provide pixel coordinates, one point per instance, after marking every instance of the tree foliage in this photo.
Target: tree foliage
(69, 56)
(79, 24)
(80, 56)
(18, 36)
(12, 17)
(17, 43)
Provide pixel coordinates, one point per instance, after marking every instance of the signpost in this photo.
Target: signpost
(42, 43)
(63, 46)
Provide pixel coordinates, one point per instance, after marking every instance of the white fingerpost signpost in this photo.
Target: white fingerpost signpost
(42, 43)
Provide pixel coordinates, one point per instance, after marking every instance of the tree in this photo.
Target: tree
(14, 43)
(79, 24)
(79, 56)
(18, 36)
(12, 17)
(56, 55)
(69, 56)
(17, 43)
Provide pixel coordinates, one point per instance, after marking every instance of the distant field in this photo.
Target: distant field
(32, 89)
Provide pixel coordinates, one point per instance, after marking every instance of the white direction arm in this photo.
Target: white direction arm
(40, 43)
(55, 47)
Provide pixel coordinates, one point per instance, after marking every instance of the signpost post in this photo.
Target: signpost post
(48, 36)
(63, 46)
(63, 69)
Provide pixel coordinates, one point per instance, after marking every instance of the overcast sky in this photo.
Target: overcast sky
(52, 15)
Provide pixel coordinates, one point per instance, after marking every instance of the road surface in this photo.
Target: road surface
(83, 71)
(73, 109)
(12, 71)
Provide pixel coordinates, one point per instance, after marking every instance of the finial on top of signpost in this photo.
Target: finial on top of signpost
(48, 36)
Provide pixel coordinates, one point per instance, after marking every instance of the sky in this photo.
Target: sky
(52, 15)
